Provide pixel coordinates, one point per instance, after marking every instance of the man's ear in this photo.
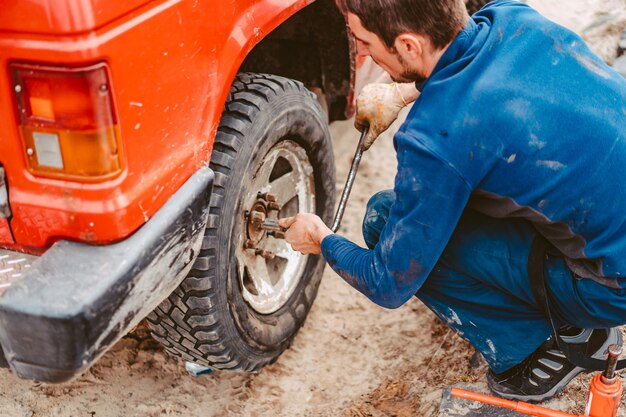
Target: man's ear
(410, 45)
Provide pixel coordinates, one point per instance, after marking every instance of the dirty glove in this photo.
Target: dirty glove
(378, 106)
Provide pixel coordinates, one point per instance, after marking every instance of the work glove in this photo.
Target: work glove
(378, 106)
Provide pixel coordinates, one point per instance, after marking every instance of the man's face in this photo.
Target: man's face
(369, 44)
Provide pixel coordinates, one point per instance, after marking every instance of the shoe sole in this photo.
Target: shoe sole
(614, 337)
(557, 389)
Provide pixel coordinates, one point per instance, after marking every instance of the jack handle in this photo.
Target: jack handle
(519, 406)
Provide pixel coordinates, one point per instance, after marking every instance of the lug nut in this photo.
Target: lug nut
(267, 197)
(264, 253)
(256, 218)
(274, 206)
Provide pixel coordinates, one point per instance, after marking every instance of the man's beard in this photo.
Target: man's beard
(407, 75)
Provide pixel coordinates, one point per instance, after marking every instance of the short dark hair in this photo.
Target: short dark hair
(440, 20)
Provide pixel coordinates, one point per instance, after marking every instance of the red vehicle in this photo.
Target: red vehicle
(143, 144)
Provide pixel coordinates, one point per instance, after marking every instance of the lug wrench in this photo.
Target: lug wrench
(351, 176)
(272, 224)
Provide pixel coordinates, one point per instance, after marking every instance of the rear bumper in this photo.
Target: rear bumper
(76, 300)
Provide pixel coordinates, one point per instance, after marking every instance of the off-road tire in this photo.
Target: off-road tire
(206, 320)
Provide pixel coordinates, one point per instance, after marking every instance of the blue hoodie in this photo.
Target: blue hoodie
(519, 119)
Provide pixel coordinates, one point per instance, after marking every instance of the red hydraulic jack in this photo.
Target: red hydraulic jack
(604, 397)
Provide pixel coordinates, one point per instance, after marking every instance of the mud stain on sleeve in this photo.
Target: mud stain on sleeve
(592, 65)
(553, 165)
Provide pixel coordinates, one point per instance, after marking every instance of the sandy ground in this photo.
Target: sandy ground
(351, 358)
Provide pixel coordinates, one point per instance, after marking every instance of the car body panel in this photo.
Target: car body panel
(169, 88)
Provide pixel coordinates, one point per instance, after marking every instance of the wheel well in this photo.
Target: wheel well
(313, 47)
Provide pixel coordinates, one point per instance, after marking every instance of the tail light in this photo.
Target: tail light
(68, 122)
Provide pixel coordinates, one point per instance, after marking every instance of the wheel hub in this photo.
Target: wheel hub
(269, 270)
(256, 216)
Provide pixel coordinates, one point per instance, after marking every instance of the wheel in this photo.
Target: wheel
(248, 293)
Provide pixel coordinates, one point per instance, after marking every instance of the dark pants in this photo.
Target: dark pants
(480, 287)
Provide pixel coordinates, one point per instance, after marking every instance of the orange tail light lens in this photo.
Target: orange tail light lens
(68, 122)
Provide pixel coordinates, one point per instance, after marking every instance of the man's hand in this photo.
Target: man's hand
(305, 232)
(378, 106)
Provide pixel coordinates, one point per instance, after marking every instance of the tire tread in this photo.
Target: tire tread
(187, 324)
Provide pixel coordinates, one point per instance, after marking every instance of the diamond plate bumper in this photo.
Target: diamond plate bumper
(58, 316)
(13, 265)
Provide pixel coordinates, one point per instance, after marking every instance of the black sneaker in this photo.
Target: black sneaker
(547, 371)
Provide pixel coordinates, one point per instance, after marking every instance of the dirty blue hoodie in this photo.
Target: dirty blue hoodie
(519, 119)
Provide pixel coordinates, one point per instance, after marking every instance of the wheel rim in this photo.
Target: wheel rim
(268, 269)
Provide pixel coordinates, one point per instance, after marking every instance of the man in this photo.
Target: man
(508, 216)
